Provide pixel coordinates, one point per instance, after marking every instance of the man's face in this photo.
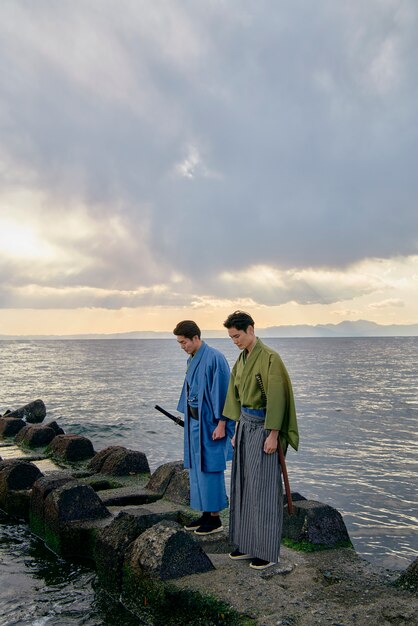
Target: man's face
(189, 345)
(242, 338)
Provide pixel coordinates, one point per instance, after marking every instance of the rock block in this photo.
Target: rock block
(296, 497)
(10, 426)
(409, 578)
(112, 542)
(162, 476)
(96, 463)
(56, 428)
(316, 523)
(119, 461)
(40, 490)
(71, 448)
(65, 506)
(73, 501)
(34, 412)
(127, 496)
(35, 436)
(16, 477)
(15, 474)
(178, 489)
(166, 551)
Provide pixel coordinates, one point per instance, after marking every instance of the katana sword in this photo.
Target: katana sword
(176, 419)
(281, 455)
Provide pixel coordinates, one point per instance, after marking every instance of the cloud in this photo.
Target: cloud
(222, 151)
(391, 302)
(273, 287)
(193, 165)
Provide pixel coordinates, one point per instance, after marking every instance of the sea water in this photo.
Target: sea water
(357, 405)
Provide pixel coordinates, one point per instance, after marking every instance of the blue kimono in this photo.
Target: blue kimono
(205, 387)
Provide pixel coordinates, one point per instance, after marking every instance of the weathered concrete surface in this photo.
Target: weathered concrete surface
(64, 505)
(112, 541)
(316, 523)
(333, 587)
(15, 474)
(10, 426)
(40, 490)
(296, 497)
(96, 463)
(148, 591)
(43, 463)
(71, 448)
(409, 578)
(55, 427)
(163, 474)
(178, 489)
(35, 436)
(166, 551)
(127, 496)
(124, 462)
(33, 412)
(16, 479)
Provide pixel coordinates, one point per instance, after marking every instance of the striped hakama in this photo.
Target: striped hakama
(256, 509)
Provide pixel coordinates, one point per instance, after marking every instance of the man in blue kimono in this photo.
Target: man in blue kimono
(207, 433)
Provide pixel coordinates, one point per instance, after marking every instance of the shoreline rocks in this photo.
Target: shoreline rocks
(105, 507)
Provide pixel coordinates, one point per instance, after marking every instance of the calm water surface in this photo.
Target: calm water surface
(357, 403)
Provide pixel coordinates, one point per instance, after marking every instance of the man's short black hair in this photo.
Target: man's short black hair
(188, 329)
(239, 320)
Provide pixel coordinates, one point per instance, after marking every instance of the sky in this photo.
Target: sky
(172, 160)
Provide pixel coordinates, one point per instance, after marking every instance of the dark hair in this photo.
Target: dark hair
(187, 328)
(239, 320)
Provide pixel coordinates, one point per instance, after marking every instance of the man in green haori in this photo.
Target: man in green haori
(260, 400)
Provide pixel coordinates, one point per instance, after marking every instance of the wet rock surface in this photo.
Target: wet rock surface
(409, 578)
(10, 426)
(55, 427)
(17, 475)
(40, 491)
(316, 523)
(71, 448)
(35, 436)
(73, 501)
(34, 412)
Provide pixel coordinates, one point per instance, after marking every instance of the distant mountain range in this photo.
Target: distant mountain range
(359, 328)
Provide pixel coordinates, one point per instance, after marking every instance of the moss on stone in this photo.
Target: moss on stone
(36, 524)
(307, 546)
(162, 604)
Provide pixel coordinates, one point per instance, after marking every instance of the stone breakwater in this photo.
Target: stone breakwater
(104, 506)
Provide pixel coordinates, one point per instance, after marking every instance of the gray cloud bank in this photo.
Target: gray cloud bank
(193, 138)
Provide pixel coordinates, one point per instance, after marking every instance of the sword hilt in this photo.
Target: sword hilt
(261, 387)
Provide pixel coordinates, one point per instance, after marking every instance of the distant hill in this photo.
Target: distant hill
(359, 328)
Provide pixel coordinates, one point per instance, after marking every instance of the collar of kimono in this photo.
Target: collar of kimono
(194, 360)
(251, 356)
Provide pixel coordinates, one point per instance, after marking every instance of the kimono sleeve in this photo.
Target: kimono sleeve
(276, 395)
(218, 384)
(232, 408)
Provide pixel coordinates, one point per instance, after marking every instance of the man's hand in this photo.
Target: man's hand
(270, 444)
(219, 432)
